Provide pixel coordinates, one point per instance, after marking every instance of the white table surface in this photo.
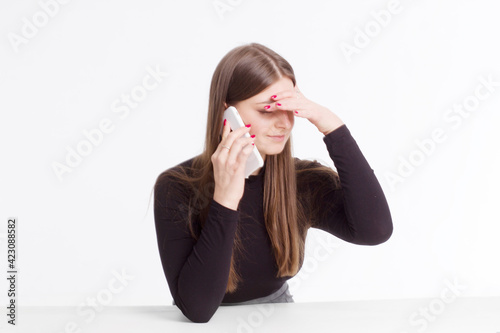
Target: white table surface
(471, 315)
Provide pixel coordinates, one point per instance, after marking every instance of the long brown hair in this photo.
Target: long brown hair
(290, 184)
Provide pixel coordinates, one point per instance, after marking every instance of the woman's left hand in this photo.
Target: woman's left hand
(294, 101)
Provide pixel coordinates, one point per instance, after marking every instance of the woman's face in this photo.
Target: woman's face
(268, 126)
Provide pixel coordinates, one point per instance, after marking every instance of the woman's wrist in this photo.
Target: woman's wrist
(327, 121)
(228, 203)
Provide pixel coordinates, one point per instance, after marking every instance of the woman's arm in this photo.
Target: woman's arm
(196, 271)
(358, 212)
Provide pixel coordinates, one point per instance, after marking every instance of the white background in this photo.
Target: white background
(77, 232)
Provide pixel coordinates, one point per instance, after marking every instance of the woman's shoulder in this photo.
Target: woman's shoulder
(175, 174)
(182, 167)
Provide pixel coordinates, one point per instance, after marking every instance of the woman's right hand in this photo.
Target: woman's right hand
(229, 165)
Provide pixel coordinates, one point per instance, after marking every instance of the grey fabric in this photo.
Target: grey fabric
(281, 295)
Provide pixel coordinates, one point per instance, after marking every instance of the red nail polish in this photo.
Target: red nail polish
(224, 122)
(296, 112)
(248, 125)
(253, 144)
(253, 136)
(273, 96)
(278, 104)
(267, 107)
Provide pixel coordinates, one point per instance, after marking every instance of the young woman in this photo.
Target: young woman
(225, 239)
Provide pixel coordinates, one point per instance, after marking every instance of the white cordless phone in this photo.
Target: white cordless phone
(254, 160)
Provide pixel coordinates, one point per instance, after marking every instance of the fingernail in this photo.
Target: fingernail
(224, 122)
(296, 112)
(248, 125)
(267, 107)
(253, 136)
(253, 144)
(273, 96)
(278, 104)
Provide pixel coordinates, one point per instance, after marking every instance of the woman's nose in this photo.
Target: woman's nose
(284, 119)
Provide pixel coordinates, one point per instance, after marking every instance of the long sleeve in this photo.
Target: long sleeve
(357, 212)
(196, 271)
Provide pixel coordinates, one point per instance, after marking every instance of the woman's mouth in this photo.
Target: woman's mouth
(277, 138)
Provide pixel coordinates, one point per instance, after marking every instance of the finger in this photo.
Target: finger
(226, 129)
(243, 156)
(286, 100)
(236, 149)
(229, 139)
(289, 93)
(274, 106)
(287, 105)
